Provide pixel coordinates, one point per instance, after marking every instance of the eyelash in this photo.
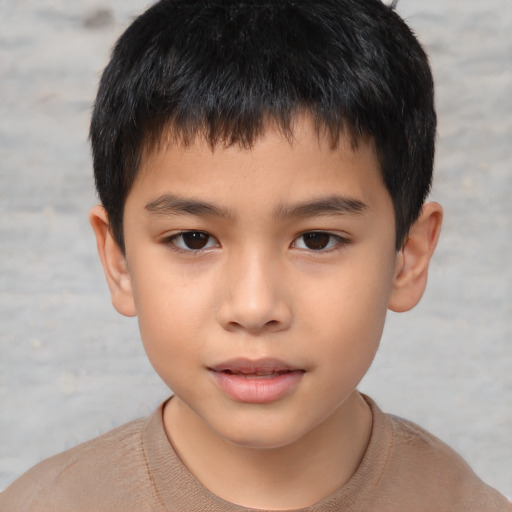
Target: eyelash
(171, 241)
(335, 242)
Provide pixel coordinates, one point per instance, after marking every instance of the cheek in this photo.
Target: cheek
(171, 312)
(357, 294)
(351, 313)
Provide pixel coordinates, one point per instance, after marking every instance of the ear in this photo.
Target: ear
(413, 259)
(114, 263)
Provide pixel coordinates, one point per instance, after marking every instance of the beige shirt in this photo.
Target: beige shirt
(134, 468)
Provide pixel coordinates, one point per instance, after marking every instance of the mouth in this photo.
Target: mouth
(260, 381)
(257, 373)
(268, 367)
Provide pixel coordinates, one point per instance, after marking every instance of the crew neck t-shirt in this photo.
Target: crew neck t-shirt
(135, 468)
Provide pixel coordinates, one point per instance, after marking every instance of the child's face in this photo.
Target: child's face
(261, 278)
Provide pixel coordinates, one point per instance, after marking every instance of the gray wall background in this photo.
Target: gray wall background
(71, 368)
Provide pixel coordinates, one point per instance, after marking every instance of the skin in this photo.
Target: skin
(262, 287)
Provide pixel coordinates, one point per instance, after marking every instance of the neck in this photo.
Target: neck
(278, 478)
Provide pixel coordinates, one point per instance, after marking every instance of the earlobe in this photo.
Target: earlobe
(413, 260)
(114, 263)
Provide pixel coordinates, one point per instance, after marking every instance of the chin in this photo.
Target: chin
(258, 436)
(259, 442)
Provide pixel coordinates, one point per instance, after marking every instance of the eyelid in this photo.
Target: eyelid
(169, 240)
(337, 241)
(340, 241)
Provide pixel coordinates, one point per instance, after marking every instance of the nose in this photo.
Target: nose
(254, 295)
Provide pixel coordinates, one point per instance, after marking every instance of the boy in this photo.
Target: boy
(263, 168)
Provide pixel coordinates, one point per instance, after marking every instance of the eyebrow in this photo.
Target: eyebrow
(331, 205)
(169, 204)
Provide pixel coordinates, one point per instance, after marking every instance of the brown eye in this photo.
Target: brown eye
(319, 241)
(193, 240)
(316, 240)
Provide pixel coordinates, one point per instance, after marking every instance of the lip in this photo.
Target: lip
(256, 381)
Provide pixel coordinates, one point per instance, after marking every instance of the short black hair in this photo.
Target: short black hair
(222, 69)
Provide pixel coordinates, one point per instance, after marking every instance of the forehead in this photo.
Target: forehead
(276, 167)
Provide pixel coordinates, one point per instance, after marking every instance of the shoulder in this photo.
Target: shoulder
(427, 470)
(87, 475)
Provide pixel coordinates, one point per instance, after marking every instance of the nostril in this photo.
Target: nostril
(255, 327)
(254, 310)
